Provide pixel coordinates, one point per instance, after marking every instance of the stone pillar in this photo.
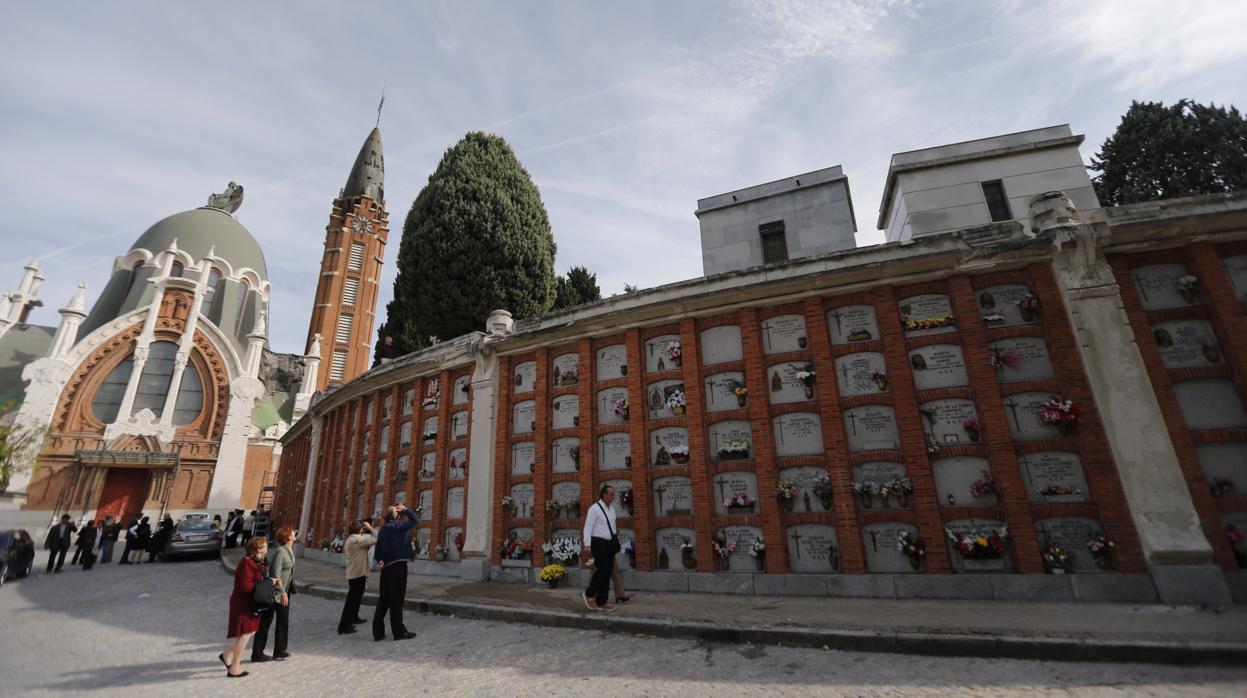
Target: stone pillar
(1164, 516)
(479, 509)
(313, 458)
(72, 316)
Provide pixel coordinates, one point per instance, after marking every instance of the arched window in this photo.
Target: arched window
(190, 397)
(214, 287)
(108, 397)
(243, 292)
(177, 269)
(154, 384)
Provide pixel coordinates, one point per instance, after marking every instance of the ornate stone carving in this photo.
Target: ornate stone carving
(228, 200)
(142, 423)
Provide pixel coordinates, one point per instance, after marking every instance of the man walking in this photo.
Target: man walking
(248, 527)
(392, 555)
(85, 543)
(233, 527)
(601, 540)
(108, 538)
(58, 541)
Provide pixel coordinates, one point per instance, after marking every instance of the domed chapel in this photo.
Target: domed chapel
(164, 396)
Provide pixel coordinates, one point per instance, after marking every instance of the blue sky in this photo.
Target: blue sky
(118, 114)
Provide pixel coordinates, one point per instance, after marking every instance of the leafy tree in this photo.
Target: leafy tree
(578, 287)
(1161, 152)
(631, 288)
(16, 444)
(477, 239)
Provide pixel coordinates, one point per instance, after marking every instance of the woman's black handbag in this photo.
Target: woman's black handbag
(265, 595)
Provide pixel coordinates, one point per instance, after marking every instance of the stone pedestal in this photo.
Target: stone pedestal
(1160, 504)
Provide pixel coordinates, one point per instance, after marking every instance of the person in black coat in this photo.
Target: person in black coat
(58, 541)
(142, 537)
(85, 542)
(161, 539)
(131, 528)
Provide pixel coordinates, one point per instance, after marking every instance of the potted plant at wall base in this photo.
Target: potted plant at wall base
(822, 490)
(786, 493)
(807, 376)
(1188, 286)
(722, 551)
(758, 551)
(1055, 559)
(912, 547)
(552, 575)
(1101, 549)
(676, 402)
(1062, 414)
(687, 555)
(736, 449)
(1029, 306)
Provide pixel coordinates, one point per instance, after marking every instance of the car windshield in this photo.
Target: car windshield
(195, 526)
(5, 538)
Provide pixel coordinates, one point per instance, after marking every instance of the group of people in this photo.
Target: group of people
(96, 542)
(239, 525)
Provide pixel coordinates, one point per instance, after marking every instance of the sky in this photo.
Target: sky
(115, 115)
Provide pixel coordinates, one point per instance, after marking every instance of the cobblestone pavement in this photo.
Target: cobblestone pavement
(158, 628)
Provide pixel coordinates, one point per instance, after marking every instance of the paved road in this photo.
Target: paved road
(158, 628)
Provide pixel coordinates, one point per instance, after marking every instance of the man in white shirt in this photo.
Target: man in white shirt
(600, 540)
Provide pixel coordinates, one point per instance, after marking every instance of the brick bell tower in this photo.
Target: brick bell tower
(344, 312)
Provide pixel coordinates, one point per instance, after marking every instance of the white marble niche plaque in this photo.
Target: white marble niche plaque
(1186, 343)
(728, 486)
(429, 433)
(1072, 534)
(428, 466)
(1003, 301)
(459, 425)
(783, 333)
(798, 434)
(670, 549)
(962, 527)
(1053, 476)
(458, 468)
(721, 434)
(525, 377)
(871, 428)
(617, 505)
(524, 420)
(1225, 462)
(1236, 267)
(567, 493)
(463, 386)
(1021, 359)
(882, 554)
(612, 362)
(523, 456)
(721, 392)
(813, 549)
(720, 345)
(954, 478)
(673, 496)
(805, 500)
(669, 446)
(522, 499)
(1022, 413)
(944, 421)
(861, 373)
(657, 395)
(566, 412)
(426, 505)
(606, 406)
(566, 455)
(1210, 403)
(614, 451)
(454, 503)
(938, 366)
(784, 387)
(741, 559)
(926, 314)
(658, 356)
(852, 323)
(452, 545)
(565, 370)
(1157, 285)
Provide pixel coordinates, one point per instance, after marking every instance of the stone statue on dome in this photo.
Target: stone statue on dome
(228, 200)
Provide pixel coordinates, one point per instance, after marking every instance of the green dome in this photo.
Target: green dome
(201, 229)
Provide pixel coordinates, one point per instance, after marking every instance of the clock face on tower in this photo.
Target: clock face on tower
(361, 224)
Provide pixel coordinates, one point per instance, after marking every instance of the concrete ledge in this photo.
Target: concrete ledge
(1193, 585)
(953, 586)
(474, 570)
(721, 583)
(514, 575)
(1113, 588)
(1238, 587)
(790, 585)
(655, 581)
(1031, 587)
(868, 586)
(938, 644)
(433, 568)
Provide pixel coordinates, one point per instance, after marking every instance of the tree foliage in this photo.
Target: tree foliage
(1161, 152)
(477, 239)
(16, 447)
(578, 287)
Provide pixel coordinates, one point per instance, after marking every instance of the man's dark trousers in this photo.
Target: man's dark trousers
(56, 555)
(393, 592)
(603, 564)
(354, 595)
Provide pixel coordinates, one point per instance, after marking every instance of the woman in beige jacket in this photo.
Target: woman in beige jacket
(358, 540)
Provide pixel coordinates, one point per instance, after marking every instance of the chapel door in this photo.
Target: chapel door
(125, 492)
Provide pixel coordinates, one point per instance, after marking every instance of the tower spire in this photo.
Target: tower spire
(368, 175)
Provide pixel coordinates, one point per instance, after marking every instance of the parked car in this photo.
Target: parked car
(195, 537)
(17, 554)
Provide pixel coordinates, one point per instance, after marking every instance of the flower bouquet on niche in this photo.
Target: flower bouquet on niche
(441, 552)
(1062, 414)
(564, 550)
(736, 449)
(1221, 487)
(933, 323)
(1001, 359)
(510, 505)
(679, 454)
(629, 549)
(807, 376)
(1056, 489)
(1188, 286)
(912, 547)
(740, 391)
(972, 429)
(625, 500)
(620, 407)
(980, 543)
(740, 500)
(1055, 559)
(676, 402)
(786, 492)
(1029, 306)
(688, 556)
(993, 319)
(983, 487)
(901, 488)
(554, 507)
(865, 492)
(552, 575)
(1101, 549)
(722, 549)
(675, 353)
(822, 490)
(757, 550)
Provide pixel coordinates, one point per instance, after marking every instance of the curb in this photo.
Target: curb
(1066, 649)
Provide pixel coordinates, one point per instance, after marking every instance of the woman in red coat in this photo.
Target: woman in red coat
(243, 622)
